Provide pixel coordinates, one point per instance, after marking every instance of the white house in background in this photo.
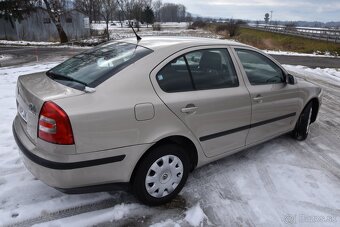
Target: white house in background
(39, 27)
(132, 22)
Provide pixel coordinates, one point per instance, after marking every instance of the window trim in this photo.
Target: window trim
(189, 70)
(170, 59)
(284, 72)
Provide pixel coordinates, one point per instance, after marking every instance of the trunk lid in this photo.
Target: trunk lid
(32, 91)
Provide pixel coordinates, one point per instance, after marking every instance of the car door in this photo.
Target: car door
(202, 87)
(275, 103)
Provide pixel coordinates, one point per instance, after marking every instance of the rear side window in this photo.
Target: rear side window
(198, 70)
(175, 76)
(260, 70)
(94, 66)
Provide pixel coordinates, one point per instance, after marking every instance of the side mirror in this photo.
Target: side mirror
(291, 79)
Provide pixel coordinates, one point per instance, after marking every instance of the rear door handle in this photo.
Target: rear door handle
(190, 108)
(258, 99)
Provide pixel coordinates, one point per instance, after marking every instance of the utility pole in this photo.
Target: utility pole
(271, 16)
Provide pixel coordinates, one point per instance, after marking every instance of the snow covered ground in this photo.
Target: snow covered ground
(289, 53)
(115, 25)
(278, 183)
(25, 43)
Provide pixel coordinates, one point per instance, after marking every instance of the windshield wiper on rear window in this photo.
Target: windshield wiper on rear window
(63, 77)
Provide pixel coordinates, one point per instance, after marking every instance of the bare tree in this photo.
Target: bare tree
(172, 12)
(107, 11)
(133, 9)
(91, 8)
(56, 8)
(15, 10)
(188, 19)
(125, 7)
(157, 5)
(233, 27)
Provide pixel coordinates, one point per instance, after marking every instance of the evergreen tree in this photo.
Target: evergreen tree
(148, 16)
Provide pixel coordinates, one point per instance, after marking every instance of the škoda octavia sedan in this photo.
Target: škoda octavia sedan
(148, 112)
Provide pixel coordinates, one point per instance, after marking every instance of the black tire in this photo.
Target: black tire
(302, 125)
(139, 185)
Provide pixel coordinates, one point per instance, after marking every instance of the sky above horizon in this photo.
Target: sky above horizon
(284, 10)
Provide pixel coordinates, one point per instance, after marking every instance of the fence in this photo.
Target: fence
(329, 35)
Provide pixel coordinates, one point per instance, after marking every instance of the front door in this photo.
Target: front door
(203, 89)
(275, 103)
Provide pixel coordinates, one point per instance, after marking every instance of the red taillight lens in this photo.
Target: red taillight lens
(54, 125)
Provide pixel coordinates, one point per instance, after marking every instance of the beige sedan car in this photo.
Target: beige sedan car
(144, 114)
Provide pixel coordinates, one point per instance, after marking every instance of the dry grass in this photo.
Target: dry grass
(274, 41)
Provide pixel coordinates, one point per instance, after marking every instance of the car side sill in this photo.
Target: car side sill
(97, 188)
(61, 165)
(224, 133)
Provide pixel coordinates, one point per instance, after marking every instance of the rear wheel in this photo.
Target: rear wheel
(161, 174)
(302, 127)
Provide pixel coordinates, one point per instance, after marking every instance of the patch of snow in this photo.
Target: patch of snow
(288, 53)
(328, 75)
(26, 43)
(92, 218)
(166, 223)
(117, 26)
(195, 215)
(38, 44)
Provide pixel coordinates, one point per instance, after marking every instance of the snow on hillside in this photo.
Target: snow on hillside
(273, 184)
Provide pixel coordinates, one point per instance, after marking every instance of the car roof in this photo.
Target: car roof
(156, 43)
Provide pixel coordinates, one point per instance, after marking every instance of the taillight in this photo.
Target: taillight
(54, 125)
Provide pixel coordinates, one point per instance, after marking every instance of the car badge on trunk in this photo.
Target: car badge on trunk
(32, 108)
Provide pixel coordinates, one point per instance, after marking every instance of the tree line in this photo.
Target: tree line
(138, 11)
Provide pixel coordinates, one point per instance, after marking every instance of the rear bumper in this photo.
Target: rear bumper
(93, 171)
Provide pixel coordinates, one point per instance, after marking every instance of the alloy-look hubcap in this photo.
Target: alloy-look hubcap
(164, 176)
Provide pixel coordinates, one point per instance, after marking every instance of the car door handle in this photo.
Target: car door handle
(189, 109)
(258, 99)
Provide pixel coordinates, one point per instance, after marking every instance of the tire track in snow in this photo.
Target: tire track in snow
(104, 204)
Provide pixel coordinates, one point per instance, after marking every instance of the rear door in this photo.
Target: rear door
(275, 103)
(201, 86)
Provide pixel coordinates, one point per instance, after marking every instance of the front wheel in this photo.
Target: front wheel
(161, 174)
(302, 127)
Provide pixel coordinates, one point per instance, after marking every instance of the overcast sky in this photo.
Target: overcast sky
(291, 10)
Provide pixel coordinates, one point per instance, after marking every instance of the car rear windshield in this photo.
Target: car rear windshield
(94, 66)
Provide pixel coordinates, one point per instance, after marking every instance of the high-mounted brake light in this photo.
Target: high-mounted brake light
(54, 125)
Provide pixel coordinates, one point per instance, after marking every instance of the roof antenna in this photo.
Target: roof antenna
(123, 11)
(137, 36)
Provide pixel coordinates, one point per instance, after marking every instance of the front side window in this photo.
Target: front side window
(198, 70)
(260, 70)
(94, 66)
